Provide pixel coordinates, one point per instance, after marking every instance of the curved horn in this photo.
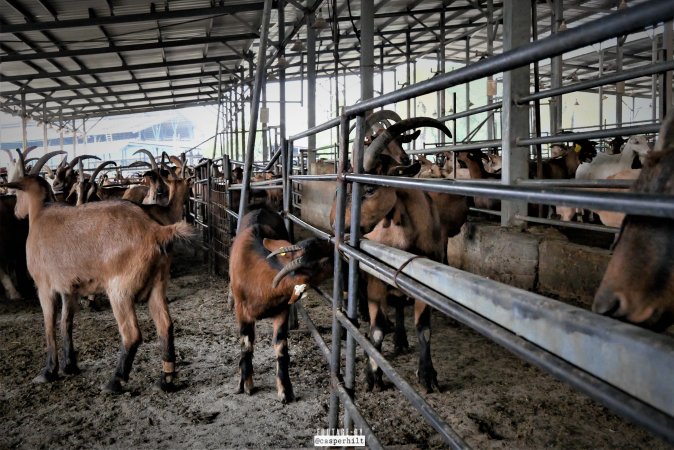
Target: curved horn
(9, 154)
(153, 161)
(183, 165)
(81, 157)
(28, 150)
(395, 130)
(20, 164)
(289, 249)
(42, 161)
(80, 171)
(30, 160)
(378, 116)
(139, 164)
(99, 168)
(292, 265)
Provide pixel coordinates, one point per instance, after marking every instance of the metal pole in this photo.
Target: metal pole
(515, 123)
(45, 138)
(654, 80)
(282, 85)
(442, 98)
(490, 52)
(468, 86)
(264, 128)
(84, 134)
(255, 106)
(601, 89)
(217, 117)
(311, 87)
(556, 70)
(238, 151)
(74, 139)
(408, 56)
(668, 44)
(24, 123)
(620, 86)
(61, 128)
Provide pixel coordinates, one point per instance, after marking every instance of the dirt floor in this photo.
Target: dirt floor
(492, 399)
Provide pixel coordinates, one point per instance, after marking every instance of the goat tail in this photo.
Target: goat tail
(169, 233)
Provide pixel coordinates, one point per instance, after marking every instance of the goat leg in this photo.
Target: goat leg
(164, 325)
(50, 371)
(426, 373)
(7, 283)
(127, 323)
(247, 331)
(280, 343)
(373, 373)
(400, 343)
(69, 355)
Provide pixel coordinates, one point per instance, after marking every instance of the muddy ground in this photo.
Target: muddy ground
(491, 398)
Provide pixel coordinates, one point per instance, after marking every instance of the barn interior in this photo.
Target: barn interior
(511, 79)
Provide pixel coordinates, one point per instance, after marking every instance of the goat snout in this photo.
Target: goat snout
(606, 303)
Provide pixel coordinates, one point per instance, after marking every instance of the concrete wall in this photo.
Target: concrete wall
(538, 259)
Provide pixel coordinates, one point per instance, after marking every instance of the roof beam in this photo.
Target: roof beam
(12, 57)
(129, 18)
(118, 111)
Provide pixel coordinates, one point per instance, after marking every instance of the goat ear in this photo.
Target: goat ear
(13, 185)
(666, 136)
(274, 244)
(405, 138)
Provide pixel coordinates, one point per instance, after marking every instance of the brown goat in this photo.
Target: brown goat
(108, 246)
(267, 274)
(638, 285)
(408, 219)
(473, 160)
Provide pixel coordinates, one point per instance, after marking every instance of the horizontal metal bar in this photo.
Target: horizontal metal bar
(448, 435)
(329, 177)
(572, 182)
(626, 202)
(320, 233)
(470, 112)
(648, 69)
(317, 129)
(610, 26)
(568, 224)
(630, 358)
(595, 134)
(456, 148)
(370, 437)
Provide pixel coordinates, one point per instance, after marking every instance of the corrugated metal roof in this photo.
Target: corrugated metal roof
(84, 58)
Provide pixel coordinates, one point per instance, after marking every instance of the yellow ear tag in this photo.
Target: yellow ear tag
(282, 254)
(577, 148)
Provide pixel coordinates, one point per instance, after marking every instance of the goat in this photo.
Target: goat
(605, 165)
(118, 250)
(65, 176)
(638, 285)
(407, 219)
(473, 160)
(268, 274)
(13, 235)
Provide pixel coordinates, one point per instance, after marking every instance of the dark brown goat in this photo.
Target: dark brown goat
(473, 160)
(638, 285)
(268, 274)
(118, 250)
(408, 219)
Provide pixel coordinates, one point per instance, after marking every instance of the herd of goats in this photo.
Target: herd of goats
(72, 236)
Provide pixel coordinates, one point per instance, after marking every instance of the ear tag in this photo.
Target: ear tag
(282, 254)
(577, 148)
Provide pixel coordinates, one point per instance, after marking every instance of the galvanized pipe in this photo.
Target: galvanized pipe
(626, 202)
(623, 131)
(653, 11)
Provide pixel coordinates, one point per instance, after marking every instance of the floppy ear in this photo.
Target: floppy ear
(13, 185)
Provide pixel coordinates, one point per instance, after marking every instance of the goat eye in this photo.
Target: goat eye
(368, 190)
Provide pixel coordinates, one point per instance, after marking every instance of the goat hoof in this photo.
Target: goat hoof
(286, 397)
(45, 377)
(71, 369)
(166, 382)
(429, 380)
(114, 387)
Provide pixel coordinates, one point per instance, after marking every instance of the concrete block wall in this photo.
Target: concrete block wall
(538, 259)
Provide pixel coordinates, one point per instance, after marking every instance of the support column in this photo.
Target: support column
(45, 138)
(467, 86)
(601, 90)
(74, 138)
(654, 80)
(24, 123)
(515, 118)
(620, 86)
(239, 150)
(408, 59)
(282, 81)
(311, 88)
(254, 109)
(217, 116)
(490, 79)
(668, 44)
(556, 70)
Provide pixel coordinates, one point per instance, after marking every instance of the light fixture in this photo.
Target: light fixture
(297, 46)
(470, 103)
(576, 103)
(281, 62)
(451, 110)
(272, 77)
(319, 21)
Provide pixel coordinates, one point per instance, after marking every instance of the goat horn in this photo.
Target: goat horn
(153, 162)
(29, 160)
(99, 168)
(9, 154)
(21, 165)
(289, 249)
(42, 161)
(395, 130)
(139, 164)
(378, 116)
(81, 157)
(28, 150)
(183, 165)
(80, 171)
(291, 266)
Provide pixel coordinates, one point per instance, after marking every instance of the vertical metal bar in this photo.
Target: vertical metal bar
(61, 128)
(254, 109)
(356, 189)
(333, 415)
(335, 41)
(620, 86)
(24, 123)
(282, 78)
(208, 208)
(467, 86)
(556, 71)
(311, 88)
(217, 116)
(265, 126)
(367, 49)
(454, 138)
(537, 102)
(601, 89)
(45, 138)
(490, 79)
(408, 59)
(243, 119)
(381, 70)
(74, 138)
(654, 79)
(442, 98)
(515, 123)
(668, 44)
(84, 135)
